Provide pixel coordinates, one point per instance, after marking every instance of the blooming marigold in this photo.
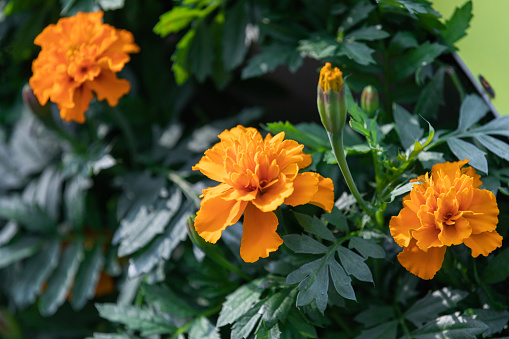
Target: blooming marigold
(443, 209)
(80, 54)
(256, 176)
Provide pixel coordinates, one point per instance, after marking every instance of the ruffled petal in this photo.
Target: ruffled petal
(455, 234)
(450, 169)
(401, 226)
(274, 196)
(259, 237)
(215, 215)
(108, 86)
(82, 97)
(305, 186)
(483, 243)
(484, 212)
(324, 198)
(211, 164)
(423, 264)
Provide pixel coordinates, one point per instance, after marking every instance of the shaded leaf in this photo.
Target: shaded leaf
(336, 218)
(87, 277)
(451, 326)
(202, 328)
(277, 307)
(342, 282)
(472, 109)
(388, 330)
(358, 52)
(314, 287)
(245, 325)
(354, 264)
(375, 315)
(367, 248)
(29, 216)
(21, 249)
(234, 36)
(494, 145)
(407, 125)
(368, 33)
(358, 13)
(167, 301)
(314, 226)
(270, 58)
(303, 244)
(497, 269)
(465, 150)
(496, 320)
(415, 58)
(498, 126)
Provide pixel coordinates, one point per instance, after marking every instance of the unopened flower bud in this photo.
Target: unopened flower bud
(33, 104)
(369, 100)
(331, 99)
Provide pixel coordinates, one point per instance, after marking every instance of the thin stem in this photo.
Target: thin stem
(336, 140)
(401, 319)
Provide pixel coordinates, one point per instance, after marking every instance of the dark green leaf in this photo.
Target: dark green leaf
(432, 96)
(496, 320)
(375, 315)
(354, 264)
(303, 327)
(465, 150)
(342, 282)
(167, 301)
(245, 325)
(314, 287)
(276, 308)
(407, 125)
(303, 244)
(136, 318)
(451, 326)
(368, 33)
(268, 333)
(202, 328)
(202, 50)
(314, 226)
(494, 145)
(234, 36)
(239, 302)
(410, 61)
(367, 248)
(269, 59)
(388, 330)
(9, 230)
(75, 199)
(319, 47)
(62, 278)
(302, 272)
(21, 249)
(401, 41)
(31, 217)
(498, 126)
(456, 26)
(433, 304)
(358, 13)
(497, 269)
(87, 277)
(472, 109)
(338, 219)
(358, 52)
(35, 272)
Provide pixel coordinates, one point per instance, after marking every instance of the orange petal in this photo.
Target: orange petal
(81, 98)
(215, 215)
(305, 186)
(483, 243)
(401, 226)
(259, 237)
(324, 198)
(211, 164)
(274, 196)
(108, 86)
(423, 264)
(485, 212)
(455, 234)
(470, 171)
(451, 169)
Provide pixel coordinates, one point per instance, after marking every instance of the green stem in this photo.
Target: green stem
(336, 140)
(401, 320)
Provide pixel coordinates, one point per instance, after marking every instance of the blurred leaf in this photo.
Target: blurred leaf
(298, 323)
(142, 225)
(167, 301)
(319, 47)
(268, 333)
(270, 58)
(402, 40)
(409, 62)
(472, 109)
(354, 264)
(367, 33)
(180, 65)
(35, 272)
(431, 96)
(407, 125)
(336, 218)
(314, 226)
(202, 328)
(497, 269)
(202, 50)
(400, 190)
(240, 302)
(375, 315)
(139, 189)
(388, 330)
(494, 145)
(234, 36)
(451, 326)
(175, 20)
(358, 13)
(495, 320)
(342, 282)
(62, 278)
(245, 325)
(162, 247)
(9, 230)
(465, 150)
(316, 142)
(277, 307)
(433, 304)
(357, 51)
(109, 5)
(366, 248)
(136, 318)
(87, 277)
(75, 199)
(21, 249)
(303, 244)
(456, 26)
(29, 216)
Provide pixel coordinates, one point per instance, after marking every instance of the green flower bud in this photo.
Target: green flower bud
(331, 99)
(369, 100)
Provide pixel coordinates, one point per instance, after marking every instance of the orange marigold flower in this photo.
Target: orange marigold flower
(444, 209)
(256, 176)
(80, 54)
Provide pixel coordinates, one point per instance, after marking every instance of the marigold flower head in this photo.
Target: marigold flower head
(80, 54)
(443, 209)
(330, 78)
(256, 175)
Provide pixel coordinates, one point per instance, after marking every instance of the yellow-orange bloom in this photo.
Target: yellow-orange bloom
(256, 176)
(80, 54)
(445, 209)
